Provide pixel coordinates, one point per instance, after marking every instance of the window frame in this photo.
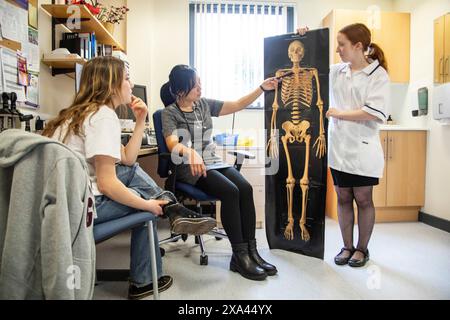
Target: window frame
(290, 29)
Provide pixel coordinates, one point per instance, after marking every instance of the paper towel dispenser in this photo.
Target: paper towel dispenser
(441, 102)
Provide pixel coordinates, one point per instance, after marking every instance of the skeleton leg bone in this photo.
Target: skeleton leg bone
(304, 185)
(290, 184)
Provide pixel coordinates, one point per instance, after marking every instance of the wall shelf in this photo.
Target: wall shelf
(13, 45)
(88, 23)
(63, 63)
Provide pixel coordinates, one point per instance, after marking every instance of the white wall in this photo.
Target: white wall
(423, 13)
(139, 42)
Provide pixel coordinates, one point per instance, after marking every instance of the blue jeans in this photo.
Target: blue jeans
(141, 184)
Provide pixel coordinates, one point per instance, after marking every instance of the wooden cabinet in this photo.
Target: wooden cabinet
(401, 192)
(405, 169)
(390, 30)
(254, 171)
(379, 191)
(442, 49)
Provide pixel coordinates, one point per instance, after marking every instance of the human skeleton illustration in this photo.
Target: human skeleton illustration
(297, 93)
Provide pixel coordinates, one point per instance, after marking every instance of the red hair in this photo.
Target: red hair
(358, 32)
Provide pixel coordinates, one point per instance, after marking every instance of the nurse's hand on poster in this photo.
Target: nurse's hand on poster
(302, 30)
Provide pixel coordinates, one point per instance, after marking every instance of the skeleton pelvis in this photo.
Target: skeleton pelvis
(296, 132)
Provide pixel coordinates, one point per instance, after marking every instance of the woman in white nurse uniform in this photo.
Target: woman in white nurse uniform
(359, 92)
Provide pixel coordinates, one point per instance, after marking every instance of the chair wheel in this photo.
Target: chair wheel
(203, 260)
(184, 237)
(162, 251)
(218, 238)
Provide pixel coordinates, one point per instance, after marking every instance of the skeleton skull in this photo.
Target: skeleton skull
(296, 51)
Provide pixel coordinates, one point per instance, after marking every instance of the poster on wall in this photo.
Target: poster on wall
(14, 21)
(33, 14)
(33, 91)
(296, 141)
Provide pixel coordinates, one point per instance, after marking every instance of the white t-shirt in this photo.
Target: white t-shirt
(101, 137)
(354, 146)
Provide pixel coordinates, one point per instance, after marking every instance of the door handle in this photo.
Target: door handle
(448, 69)
(440, 68)
(385, 149)
(391, 148)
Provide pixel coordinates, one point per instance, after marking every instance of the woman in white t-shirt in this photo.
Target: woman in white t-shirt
(91, 127)
(359, 92)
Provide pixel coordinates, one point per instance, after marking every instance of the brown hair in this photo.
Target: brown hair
(101, 78)
(358, 32)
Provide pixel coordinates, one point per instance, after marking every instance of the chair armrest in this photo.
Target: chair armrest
(240, 157)
(165, 155)
(244, 154)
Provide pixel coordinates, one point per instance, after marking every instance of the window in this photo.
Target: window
(227, 44)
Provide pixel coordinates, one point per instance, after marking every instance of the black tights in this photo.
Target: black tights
(366, 214)
(237, 210)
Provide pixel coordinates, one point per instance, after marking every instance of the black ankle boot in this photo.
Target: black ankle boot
(270, 269)
(242, 263)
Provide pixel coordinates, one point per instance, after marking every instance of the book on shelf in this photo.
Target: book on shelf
(82, 43)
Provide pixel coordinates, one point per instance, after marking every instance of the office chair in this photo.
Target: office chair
(108, 229)
(184, 191)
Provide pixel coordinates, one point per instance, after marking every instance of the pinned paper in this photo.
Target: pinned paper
(9, 73)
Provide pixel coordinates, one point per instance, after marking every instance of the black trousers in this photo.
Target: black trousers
(237, 209)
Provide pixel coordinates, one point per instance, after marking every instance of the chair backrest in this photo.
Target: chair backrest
(163, 162)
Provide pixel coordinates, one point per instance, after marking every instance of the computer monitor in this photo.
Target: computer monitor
(123, 112)
(140, 92)
(78, 70)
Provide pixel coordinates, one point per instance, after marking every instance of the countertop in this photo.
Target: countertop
(396, 127)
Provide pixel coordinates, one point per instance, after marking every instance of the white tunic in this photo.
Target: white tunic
(354, 146)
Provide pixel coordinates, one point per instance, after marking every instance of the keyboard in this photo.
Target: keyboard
(148, 146)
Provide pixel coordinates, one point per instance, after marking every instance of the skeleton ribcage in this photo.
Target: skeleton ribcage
(297, 90)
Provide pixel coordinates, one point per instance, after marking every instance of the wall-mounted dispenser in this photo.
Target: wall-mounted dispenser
(422, 95)
(441, 103)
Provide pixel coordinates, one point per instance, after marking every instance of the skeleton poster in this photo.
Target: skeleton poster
(296, 141)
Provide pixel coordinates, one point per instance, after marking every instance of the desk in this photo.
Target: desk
(148, 160)
(147, 151)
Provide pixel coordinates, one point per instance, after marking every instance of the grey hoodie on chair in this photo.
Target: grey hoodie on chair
(47, 248)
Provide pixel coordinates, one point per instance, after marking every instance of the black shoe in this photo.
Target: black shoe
(270, 269)
(340, 261)
(242, 263)
(185, 221)
(135, 293)
(356, 263)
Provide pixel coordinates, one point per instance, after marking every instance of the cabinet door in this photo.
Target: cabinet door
(392, 34)
(406, 168)
(379, 191)
(337, 20)
(447, 48)
(439, 25)
(390, 30)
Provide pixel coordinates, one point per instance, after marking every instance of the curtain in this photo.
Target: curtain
(229, 45)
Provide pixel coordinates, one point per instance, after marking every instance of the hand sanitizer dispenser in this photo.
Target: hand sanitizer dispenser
(441, 103)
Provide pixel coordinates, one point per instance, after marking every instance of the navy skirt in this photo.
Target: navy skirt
(348, 180)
